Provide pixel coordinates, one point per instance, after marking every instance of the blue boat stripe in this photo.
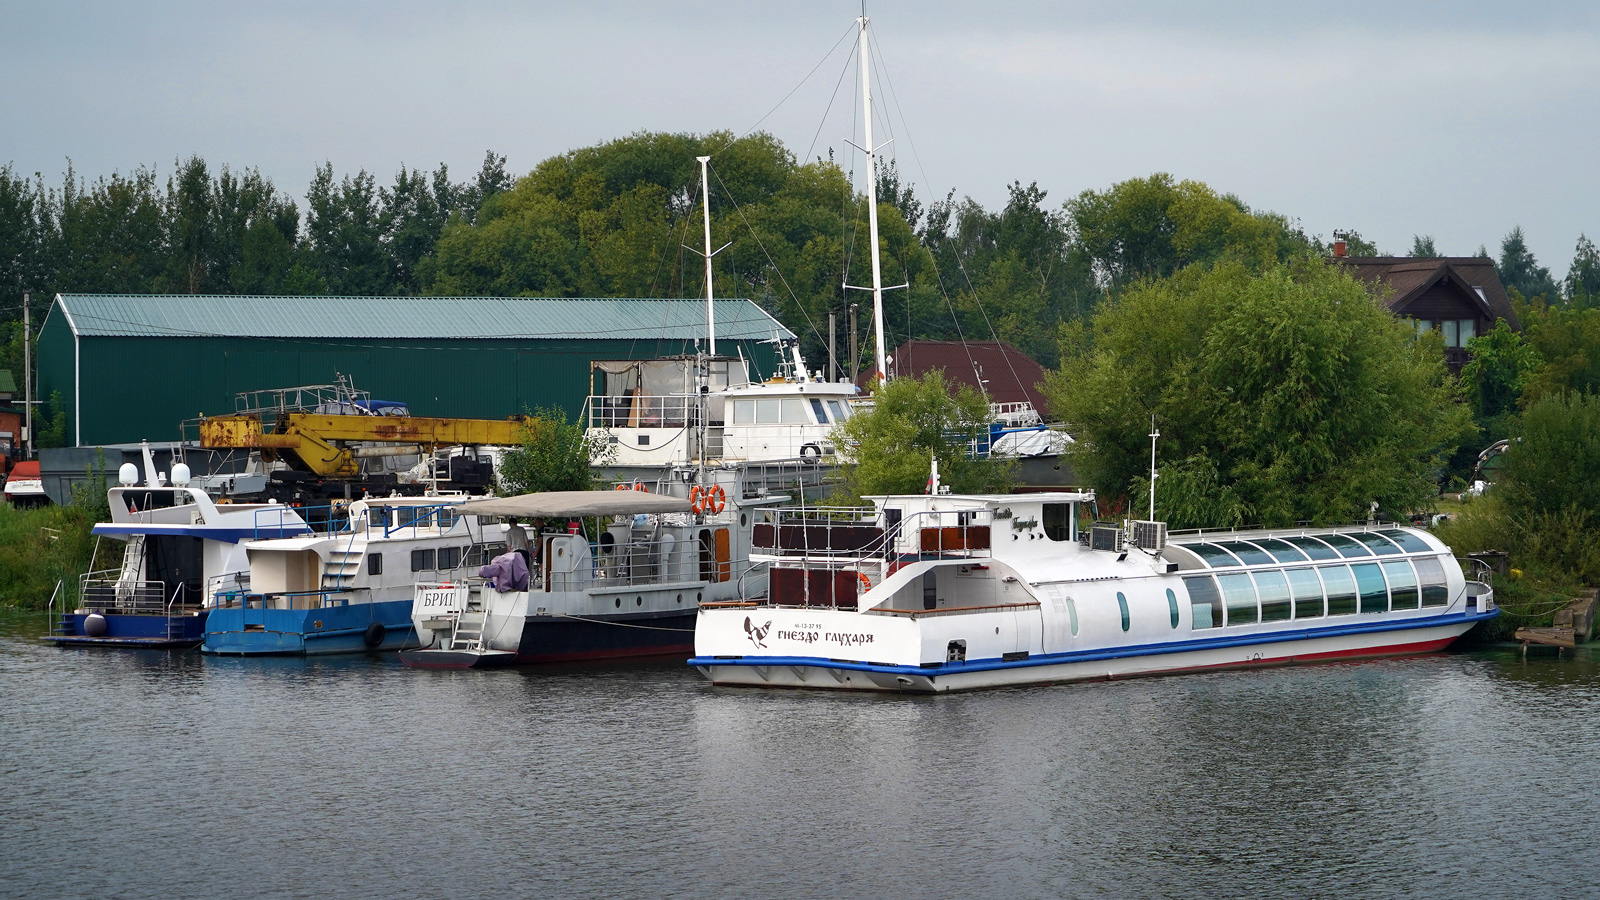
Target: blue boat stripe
(1075, 656)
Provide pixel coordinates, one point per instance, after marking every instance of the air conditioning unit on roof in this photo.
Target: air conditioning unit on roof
(1150, 535)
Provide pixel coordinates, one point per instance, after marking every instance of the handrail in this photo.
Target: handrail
(50, 609)
(952, 609)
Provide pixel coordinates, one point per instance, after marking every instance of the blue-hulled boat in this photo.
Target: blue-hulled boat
(348, 590)
(180, 550)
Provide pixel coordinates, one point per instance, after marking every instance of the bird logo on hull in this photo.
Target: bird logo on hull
(757, 634)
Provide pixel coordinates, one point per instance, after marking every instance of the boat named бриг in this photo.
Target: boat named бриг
(933, 593)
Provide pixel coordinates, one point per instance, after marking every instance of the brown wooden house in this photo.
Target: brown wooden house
(1459, 296)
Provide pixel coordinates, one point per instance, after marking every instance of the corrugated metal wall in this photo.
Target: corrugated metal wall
(137, 388)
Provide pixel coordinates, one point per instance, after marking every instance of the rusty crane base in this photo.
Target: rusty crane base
(308, 441)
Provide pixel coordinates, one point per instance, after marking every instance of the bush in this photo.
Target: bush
(39, 547)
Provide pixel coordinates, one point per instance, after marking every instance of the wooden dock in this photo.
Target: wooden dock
(1571, 624)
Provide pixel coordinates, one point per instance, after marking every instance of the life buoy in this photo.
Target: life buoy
(639, 486)
(707, 499)
(810, 451)
(624, 486)
(866, 583)
(374, 635)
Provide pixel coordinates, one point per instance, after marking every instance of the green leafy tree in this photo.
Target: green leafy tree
(1497, 372)
(1549, 482)
(890, 448)
(1519, 269)
(1422, 246)
(1568, 342)
(1282, 396)
(555, 455)
(1583, 278)
(343, 241)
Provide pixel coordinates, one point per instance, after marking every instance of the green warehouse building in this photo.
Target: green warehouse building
(127, 368)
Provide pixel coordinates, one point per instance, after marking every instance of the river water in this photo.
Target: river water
(167, 775)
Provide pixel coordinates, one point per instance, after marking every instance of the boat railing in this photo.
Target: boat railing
(645, 562)
(50, 609)
(325, 598)
(105, 591)
(1480, 583)
(228, 583)
(643, 410)
(846, 536)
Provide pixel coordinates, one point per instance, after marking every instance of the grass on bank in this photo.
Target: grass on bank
(39, 547)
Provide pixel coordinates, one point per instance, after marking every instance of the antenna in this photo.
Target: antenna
(1154, 433)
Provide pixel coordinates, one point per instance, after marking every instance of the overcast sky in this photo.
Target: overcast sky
(1456, 119)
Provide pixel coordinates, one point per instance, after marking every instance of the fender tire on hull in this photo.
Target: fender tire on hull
(373, 635)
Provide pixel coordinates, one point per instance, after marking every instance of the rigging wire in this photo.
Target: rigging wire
(740, 210)
(960, 264)
(791, 93)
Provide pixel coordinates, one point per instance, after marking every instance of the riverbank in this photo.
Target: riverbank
(42, 547)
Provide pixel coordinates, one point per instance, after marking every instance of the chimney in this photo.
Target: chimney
(1339, 249)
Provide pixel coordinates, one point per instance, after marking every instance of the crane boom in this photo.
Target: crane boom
(307, 440)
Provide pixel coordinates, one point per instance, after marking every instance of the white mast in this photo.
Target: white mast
(872, 209)
(705, 200)
(1154, 433)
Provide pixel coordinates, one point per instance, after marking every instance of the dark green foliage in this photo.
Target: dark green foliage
(1422, 245)
(1583, 278)
(1568, 343)
(555, 455)
(1553, 461)
(1498, 371)
(51, 423)
(890, 448)
(1520, 270)
(42, 546)
(1282, 396)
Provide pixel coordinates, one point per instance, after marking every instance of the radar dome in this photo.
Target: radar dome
(128, 475)
(180, 474)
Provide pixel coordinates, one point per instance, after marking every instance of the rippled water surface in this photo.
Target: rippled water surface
(155, 774)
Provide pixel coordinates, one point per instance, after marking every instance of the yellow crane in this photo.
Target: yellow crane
(311, 442)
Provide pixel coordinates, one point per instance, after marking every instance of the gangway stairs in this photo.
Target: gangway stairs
(469, 627)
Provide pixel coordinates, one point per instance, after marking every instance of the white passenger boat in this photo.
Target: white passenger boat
(629, 590)
(932, 593)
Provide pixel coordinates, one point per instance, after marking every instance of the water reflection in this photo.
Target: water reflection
(171, 774)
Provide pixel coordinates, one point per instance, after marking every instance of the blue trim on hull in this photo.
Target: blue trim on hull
(1078, 656)
(132, 631)
(332, 629)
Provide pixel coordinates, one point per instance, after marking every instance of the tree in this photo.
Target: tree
(1583, 278)
(890, 448)
(1568, 342)
(1549, 482)
(1519, 269)
(1497, 372)
(1282, 396)
(1152, 227)
(343, 242)
(554, 455)
(1422, 246)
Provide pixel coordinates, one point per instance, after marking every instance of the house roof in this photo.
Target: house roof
(1007, 374)
(208, 315)
(1408, 277)
(8, 385)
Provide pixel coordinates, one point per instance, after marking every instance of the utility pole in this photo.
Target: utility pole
(855, 349)
(27, 375)
(833, 341)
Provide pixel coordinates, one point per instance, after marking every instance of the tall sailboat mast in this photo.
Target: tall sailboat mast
(872, 209)
(705, 200)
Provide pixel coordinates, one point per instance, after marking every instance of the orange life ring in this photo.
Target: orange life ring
(866, 583)
(622, 487)
(707, 499)
(639, 486)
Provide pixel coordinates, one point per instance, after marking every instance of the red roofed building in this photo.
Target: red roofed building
(996, 368)
(1460, 296)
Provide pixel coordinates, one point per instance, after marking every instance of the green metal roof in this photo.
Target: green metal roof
(213, 315)
(8, 385)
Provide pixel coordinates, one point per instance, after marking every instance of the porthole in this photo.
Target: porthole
(680, 599)
(1122, 604)
(744, 520)
(697, 597)
(1172, 607)
(638, 601)
(619, 603)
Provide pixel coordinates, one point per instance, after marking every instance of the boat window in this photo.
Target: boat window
(449, 557)
(1379, 544)
(794, 411)
(1072, 615)
(1282, 551)
(1307, 591)
(1122, 603)
(767, 412)
(1431, 573)
(1250, 553)
(1341, 590)
(1374, 593)
(1402, 584)
(1313, 547)
(1274, 591)
(1240, 593)
(1214, 556)
(1058, 521)
(1406, 539)
(374, 563)
(1172, 606)
(1205, 602)
(421, 559)
(1345, 546)
(740, 412)
(822, 414)
(841, 411)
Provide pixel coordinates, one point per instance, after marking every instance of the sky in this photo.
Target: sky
(1458, 120)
